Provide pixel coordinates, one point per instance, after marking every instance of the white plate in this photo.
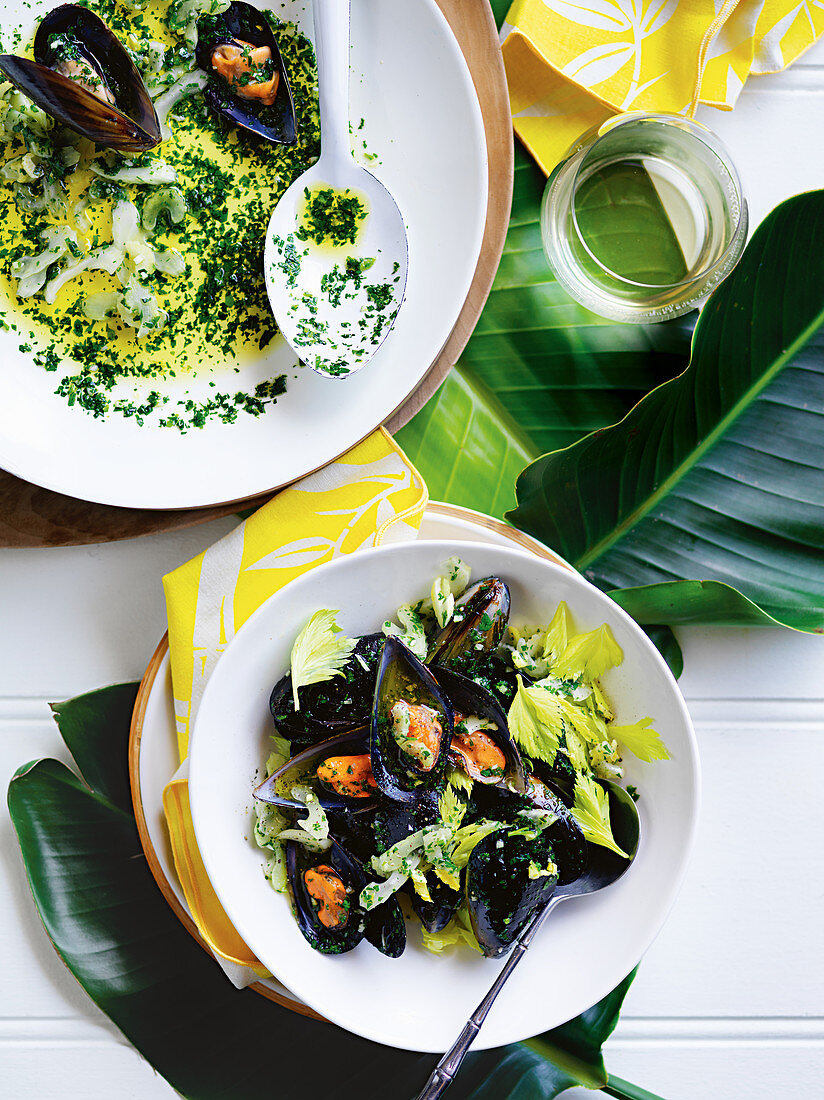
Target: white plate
(586, 948)
(411, 84)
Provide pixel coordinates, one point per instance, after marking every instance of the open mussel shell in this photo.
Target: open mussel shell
(501, 896)
(130, 125)
(402, 678)
(332, 706)
(304, 766)
(244, 23)
(351, 930)
(468, 698)
(477, 626)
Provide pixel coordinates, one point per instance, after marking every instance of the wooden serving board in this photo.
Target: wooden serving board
(32, 517)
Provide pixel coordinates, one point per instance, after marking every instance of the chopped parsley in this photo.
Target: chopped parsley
(331, 217)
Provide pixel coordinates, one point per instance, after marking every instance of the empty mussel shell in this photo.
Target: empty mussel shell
(493, 674)
(411, 726)
(477, 626)
(333, 706)
(506, 883)
(237, 97)
(83, 77)
(325, 888)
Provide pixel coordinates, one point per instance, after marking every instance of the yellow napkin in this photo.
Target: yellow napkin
(571, 64)
(370, 496)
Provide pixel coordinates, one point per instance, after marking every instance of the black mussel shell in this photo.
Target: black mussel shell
(564, 834)
(334, 706)
(477, 626)
(436, 914)
(401, 676)
(357, 824)
(386, 929)
(131, 126)
(560, 776)
(469, 698)
(395, 821)
(501, 897)
(244, 22)
(329, 941)
(305, 763)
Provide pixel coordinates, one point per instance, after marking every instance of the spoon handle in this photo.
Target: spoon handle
(444, 1073)
(331, 19)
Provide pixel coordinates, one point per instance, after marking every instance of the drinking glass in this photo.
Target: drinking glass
(644, 217)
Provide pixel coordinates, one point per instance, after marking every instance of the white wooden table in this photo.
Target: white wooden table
(728, 1002)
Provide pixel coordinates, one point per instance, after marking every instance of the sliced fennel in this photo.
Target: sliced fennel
(447, 587)
(154, 174)
(411, 631)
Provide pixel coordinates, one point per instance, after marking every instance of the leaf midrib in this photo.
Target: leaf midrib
(707, 443)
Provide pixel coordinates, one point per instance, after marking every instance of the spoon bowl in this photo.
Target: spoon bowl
(335, 305)
(604, 866)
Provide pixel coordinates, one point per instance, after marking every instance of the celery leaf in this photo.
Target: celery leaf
(320, 652)
(589, 655)
(591, 810)
(641, 740)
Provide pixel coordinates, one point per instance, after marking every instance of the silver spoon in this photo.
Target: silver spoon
(604, 868)
(336, 334)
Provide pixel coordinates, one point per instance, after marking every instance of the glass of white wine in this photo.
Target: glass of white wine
(644, 217)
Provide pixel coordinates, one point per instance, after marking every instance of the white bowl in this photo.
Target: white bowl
(421, 1001)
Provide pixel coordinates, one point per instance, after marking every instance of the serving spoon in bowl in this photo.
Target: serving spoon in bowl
(604, 868)
(335, 305)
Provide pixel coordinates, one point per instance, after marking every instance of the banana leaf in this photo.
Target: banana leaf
(540, 371)
(706, 502)
(111, 926)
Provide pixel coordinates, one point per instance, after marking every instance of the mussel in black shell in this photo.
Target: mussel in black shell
(508, 878)
(82, 76)
(477, 626)
(249, 85)
(325, 889)
(411, 726)
(393, 823)
(386, 929)
(481, 745)
(338, 769)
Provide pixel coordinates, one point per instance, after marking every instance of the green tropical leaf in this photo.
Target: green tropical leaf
(539, 372)
(86, 724)
(113, 929)
(707, 500)
(624, 1090)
